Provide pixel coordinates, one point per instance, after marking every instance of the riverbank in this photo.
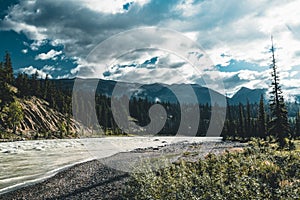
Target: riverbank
(90, 180)
(25, 162)
(106, 178)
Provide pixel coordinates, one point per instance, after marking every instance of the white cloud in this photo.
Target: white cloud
(110, 6)
(65, 76)
(37, 44)
(32, 31)
(187, 8)
(253, 75)
(56, 42)
(293, 74)
(52, 54)
(32, 70)
(192, 35)
(85, 69)
(49, 68)
(25, 51)
(242, 29)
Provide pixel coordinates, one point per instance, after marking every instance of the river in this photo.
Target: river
(27, 162)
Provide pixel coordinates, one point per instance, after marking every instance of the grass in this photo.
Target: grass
(297, 145)
(259, 172)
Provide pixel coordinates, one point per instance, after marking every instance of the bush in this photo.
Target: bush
(259, 172)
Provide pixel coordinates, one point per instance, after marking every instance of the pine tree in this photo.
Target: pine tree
(35, 85)
(261, 118)
(279, 126)
(241, 128)
(1, 72)
(23, 85)
(248, 127)
(15, 115)
(8, 69)
(5, 93)
(45, 87)
(297, 125)
(2, 86)
(229, 123)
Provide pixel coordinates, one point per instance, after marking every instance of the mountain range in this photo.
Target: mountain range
(162, 92)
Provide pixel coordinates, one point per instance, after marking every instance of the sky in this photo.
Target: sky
(57, 38)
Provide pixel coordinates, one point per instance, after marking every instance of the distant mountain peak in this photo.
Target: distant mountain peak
(244, 89)
(245, 94)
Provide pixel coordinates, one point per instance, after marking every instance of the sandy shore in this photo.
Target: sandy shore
(106, 178)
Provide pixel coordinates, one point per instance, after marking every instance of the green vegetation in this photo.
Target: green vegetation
(259, 172)
(278, 126)
(14, 115)
(297, 145)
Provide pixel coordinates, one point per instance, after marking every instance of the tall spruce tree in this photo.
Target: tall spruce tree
(278, 125)
(297, 125)
(241, 129)
(8, 69)
(2, 86)
(261, 118)
(5, 93)
(230, 132)
(248, 126)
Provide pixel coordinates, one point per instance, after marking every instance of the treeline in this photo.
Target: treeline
(254, 120)
(33, 85)
(242, 121)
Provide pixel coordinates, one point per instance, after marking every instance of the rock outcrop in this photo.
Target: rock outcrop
(39, 117)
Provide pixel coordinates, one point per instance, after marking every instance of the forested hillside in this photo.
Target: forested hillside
(31, 108)
(54, 97)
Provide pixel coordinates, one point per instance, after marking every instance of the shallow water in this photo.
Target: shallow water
(26, 162)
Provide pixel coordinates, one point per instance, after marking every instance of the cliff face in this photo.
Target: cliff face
(39, 117)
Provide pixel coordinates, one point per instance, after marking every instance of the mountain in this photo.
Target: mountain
(246, 94)
(161, 92)
(174, 93)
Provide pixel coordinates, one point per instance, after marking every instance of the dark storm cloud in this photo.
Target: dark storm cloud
(177, 65)
(79, 28)
(233, 81)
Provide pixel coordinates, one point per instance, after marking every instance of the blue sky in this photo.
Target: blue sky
(55, 38)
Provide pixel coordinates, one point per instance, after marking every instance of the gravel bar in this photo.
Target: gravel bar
(97, 179)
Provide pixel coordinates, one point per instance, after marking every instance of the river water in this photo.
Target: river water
(27, 162)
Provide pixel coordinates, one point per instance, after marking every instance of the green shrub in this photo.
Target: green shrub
(259, 172)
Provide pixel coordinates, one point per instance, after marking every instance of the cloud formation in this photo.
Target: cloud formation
(52, 54)
(30, 70)
(229, 31)
(240, 29)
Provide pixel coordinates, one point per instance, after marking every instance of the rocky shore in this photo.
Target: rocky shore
(106, 178)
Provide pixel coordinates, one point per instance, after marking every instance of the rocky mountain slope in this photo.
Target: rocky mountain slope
(39, 117)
